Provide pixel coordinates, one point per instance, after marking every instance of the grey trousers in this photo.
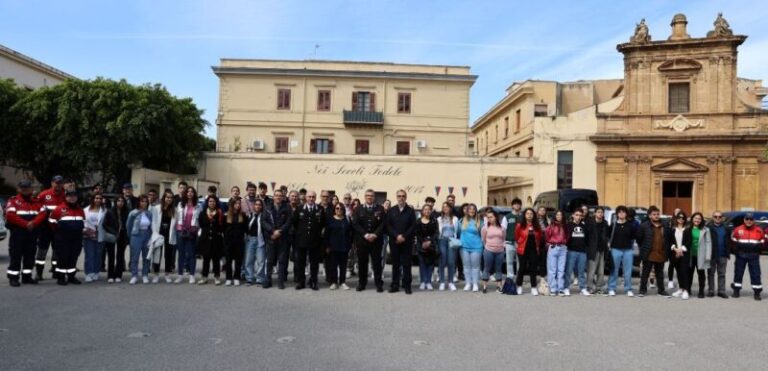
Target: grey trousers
(717, 264)
(596, 267)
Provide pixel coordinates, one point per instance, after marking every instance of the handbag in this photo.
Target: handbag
(509, 287)
(109, 237)
(454, 243)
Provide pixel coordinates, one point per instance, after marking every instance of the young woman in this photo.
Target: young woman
(114, 224)
(338, 242)
(556, 238)
(187, 225)
(93, 237)
(447, 224)
(460, 257)
(427, 237)
(493, 255)
(529, 235)
(139, 227)
(164, 219)
(698, 238)
(234, 241)
(471, 247)
(335, 200)
(211, 241)
(620, 244)
(541, 215)
(679, 250)
(385, 240)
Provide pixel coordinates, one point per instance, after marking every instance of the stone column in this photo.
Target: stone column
(632, 179)
(728, 192)
(762, 183)
(601, 191)
(644, 180)
(711, 189)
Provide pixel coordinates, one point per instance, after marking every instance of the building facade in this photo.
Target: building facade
(689, 132)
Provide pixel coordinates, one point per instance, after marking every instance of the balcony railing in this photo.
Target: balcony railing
(363, 118)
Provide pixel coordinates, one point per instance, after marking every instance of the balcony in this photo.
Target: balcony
(364, 118)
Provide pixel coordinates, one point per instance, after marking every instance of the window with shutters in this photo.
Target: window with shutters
(517, 121)
(281, 144)
(361, 146)
(540, 110)
(564, 169)
(506, 127)
(496, 134)
(363, 101)
(324, 100)
(283, 99)
(321, 146)
(679, 94)
(403, 102)
(403, 147)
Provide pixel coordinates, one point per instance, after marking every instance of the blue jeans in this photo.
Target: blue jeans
(93, 252)
(511, 251)
(254, 254)
(556, 260)
(426, 269)
(577, 260)
(492, 259)
(471, 260)
(620, 257)
(139, 248)
(186, 250)
(447, 261)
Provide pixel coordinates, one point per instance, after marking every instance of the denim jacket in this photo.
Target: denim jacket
(132, 225)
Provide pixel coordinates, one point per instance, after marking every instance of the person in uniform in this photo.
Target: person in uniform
(24, 217)
(67, 222)
(401, 225)
(748, 240)
(49, 199)
(282, 215)
(368, 227)
(308, 223)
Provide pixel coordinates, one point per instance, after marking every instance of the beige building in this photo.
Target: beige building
(353, 108)
(548, 124)
(689, 133)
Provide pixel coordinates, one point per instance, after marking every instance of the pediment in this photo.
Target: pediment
(680, 165)
(679, 65)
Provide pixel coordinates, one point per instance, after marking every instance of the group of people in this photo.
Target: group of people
(254, 237)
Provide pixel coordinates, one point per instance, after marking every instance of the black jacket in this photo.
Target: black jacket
(427, 232)
(645, 239)
(599, 233)
(401, 223)
(211, 241)
(308, 226)
(234, 237)
(114, 223)
(283, 218)
(366, 221)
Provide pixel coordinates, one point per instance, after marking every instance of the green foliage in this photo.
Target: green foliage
(81, 127)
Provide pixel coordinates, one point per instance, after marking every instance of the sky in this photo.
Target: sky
(175, 43)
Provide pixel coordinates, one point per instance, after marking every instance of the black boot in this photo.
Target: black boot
(61, 280)
(72, 279)
(380, 288)
(281, 285)
(14, 282)
(27, 279)
(735, 291)
(757, 294)
(39, 272)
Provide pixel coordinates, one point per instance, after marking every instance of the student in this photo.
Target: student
(471, 247)
(652, 240)
(260, 229)
(163, 221)
(448, 224)
(139, 227)
(556, 238)
(114, 224)
(234, 241)
(427, 237)
(510, 244)
(338, 242)
(187, 226)
(541, 215)
(211, 241)
(620, 244)
(677, 250)
(698, 239)
(576, 263)
(493, 254)
(93, 237)
(596, 252)
(528, 235)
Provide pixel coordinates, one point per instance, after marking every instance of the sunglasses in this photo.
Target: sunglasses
(681, 217)
(718, 216)
(745, 219)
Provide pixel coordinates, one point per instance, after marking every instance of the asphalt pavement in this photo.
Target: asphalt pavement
(102, 326)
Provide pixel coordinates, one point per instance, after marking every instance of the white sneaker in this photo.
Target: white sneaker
(670, 285)
(118, 280)
(334, 287)
(575, 282)
(677, 293)
(519, 290)
(455, 279)
(178, 279)
(684, 296)
(492, 278)
(441, 287)
(191, 280)
(344, 286)
(475, 288)
(155, 279)
(216, 281)
(630, 294)
(168, 279)
(228, 283)
(611, 293)
(145, 280)
(468, 287)
(422, 286)
(95, 277)
(567, 292)
(110, 280)
(429, 287)
(585, 292)
(88, 278)
(534, 291)
(237, 283)
(452, 287)
(202, 281)
(133, 280)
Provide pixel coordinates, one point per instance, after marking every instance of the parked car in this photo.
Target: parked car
(3, 229)
(567, 200)
(736, 218)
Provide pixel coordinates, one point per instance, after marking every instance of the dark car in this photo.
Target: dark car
(736, 218)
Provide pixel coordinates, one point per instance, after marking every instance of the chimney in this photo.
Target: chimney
(679, 24)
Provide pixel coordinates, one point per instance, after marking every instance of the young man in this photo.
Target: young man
(182, 189)
(597, 248)
(720, 254)
(250, 198)
(368, 227)
(510, 244)
(578, 239)
(24, 215)
(651, 238)
(401, 225)
(131, 201)
(748, 239)
(264, 197)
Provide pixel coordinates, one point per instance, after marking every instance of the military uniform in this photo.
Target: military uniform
(308, 223)
(369, 219)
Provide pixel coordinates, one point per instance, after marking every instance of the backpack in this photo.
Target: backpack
(509, 288)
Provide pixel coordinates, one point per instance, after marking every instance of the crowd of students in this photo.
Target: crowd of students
(255, 237)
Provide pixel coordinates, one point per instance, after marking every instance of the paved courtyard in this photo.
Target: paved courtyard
(101, 326)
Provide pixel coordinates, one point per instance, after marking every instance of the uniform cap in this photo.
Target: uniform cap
(25, 184)
(57, 179)
(749, 216)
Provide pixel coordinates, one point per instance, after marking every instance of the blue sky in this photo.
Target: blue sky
(175, 42)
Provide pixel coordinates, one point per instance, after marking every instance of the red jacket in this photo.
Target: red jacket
(67, 219)
(556, 234)
(20, 211)
(748, 240)
(521, 235)
(50, 199)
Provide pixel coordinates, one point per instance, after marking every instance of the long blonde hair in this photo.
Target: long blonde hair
(465, 220)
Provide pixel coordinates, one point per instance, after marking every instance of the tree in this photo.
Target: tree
(81, 127)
